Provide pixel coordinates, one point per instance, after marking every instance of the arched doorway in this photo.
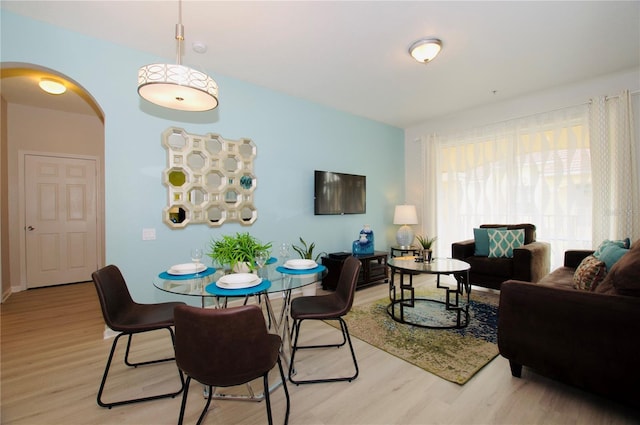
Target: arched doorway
(49, 135)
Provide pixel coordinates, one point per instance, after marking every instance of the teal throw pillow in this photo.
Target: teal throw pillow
(481, 239)
(610, 255)
(503, 242)
(622, 243)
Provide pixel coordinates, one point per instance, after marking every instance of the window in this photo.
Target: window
(531, 170)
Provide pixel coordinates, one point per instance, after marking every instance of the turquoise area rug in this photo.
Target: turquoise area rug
(452, 354)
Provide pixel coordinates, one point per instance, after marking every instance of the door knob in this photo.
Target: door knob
(31, 228)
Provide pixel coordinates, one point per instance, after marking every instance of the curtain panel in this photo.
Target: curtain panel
(535, 169)
(616, 190)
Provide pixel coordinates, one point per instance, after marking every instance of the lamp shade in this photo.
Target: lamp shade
(405, 214)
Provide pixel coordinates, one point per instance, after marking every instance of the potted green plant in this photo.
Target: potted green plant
(240, 248)
(306, 251)
(426, 243)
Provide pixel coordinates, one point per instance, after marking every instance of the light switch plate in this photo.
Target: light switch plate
(149, 234)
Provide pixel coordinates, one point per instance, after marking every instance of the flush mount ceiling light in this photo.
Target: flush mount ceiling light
(52, 86)
(425, 49)
(177, 86)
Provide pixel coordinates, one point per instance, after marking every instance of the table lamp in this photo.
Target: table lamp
(405, 215)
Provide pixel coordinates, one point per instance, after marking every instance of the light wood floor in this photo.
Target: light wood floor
(53, 356)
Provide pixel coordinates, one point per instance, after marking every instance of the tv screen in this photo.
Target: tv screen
(339, 193)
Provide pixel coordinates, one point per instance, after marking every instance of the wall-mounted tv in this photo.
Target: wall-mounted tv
(339, 193)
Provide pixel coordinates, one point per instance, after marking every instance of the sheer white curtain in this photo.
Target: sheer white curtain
(616, 191)
(529, 170)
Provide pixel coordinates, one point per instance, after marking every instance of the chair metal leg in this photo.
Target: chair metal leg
(183, 405)
(265, 379)
(130, 364)
(267, 398)
(345, 338)
(135, 400)
(206, 406)
(286, 391)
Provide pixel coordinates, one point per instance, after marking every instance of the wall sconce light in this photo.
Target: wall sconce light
(405, 215)
(425, 49)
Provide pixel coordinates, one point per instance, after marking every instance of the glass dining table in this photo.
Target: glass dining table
(277, 281)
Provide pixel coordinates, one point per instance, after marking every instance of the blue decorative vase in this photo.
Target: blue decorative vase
(366, 240)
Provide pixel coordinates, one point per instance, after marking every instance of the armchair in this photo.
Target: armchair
(530, 262)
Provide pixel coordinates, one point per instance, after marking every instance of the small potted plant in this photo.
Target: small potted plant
(306, 251)
(426, 243)
(236, 252)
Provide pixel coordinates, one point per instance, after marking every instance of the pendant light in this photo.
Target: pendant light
(52, 86)
(177, 86)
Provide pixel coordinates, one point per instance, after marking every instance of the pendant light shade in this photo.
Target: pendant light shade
(52, 86)
(177, 86)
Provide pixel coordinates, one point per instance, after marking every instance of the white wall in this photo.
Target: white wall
(557, 98)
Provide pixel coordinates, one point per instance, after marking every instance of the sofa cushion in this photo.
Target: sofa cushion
(562, 277)
(503, 242)
(610, 254)
(500, 267)
(481, 239)
(624, 276)
(589, 273)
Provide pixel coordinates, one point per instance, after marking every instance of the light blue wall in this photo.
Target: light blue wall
(293, 137)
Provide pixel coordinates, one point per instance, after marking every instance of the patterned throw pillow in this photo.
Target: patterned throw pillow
(503, 242)
(481, 239)
(589, 273)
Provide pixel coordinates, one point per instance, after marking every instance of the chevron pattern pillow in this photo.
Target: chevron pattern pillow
(503, 242)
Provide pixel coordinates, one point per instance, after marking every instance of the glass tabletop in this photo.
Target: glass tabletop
(437, 265)
(280, 279)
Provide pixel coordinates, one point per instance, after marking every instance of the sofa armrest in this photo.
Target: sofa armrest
(573, 257)
(585, 339)
(463, 249)
(531, 262)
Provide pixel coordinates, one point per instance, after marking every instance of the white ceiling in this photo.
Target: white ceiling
(352, 55)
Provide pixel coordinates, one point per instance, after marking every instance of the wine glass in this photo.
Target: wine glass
(284, 251)
(261, 260)
(196, 256)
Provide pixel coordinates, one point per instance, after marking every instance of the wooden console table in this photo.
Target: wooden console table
(374, 269)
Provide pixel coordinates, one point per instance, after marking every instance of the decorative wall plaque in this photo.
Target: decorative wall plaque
(209, 179)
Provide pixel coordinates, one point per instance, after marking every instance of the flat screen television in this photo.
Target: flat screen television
(339, 193)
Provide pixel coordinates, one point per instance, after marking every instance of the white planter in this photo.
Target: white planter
(241, 268)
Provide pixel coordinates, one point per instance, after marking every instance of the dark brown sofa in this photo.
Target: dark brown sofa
(590, 340)
(530, 262)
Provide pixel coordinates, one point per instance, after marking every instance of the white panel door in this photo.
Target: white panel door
(61, 220)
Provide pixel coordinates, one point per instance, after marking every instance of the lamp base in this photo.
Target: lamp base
(404, 236)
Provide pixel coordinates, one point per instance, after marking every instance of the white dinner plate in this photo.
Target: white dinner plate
(300, 264)
(186, 268)
(238, 281)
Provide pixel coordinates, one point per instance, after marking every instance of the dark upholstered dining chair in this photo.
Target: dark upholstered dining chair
(326, 307)
(127, 317)
(226, 347)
